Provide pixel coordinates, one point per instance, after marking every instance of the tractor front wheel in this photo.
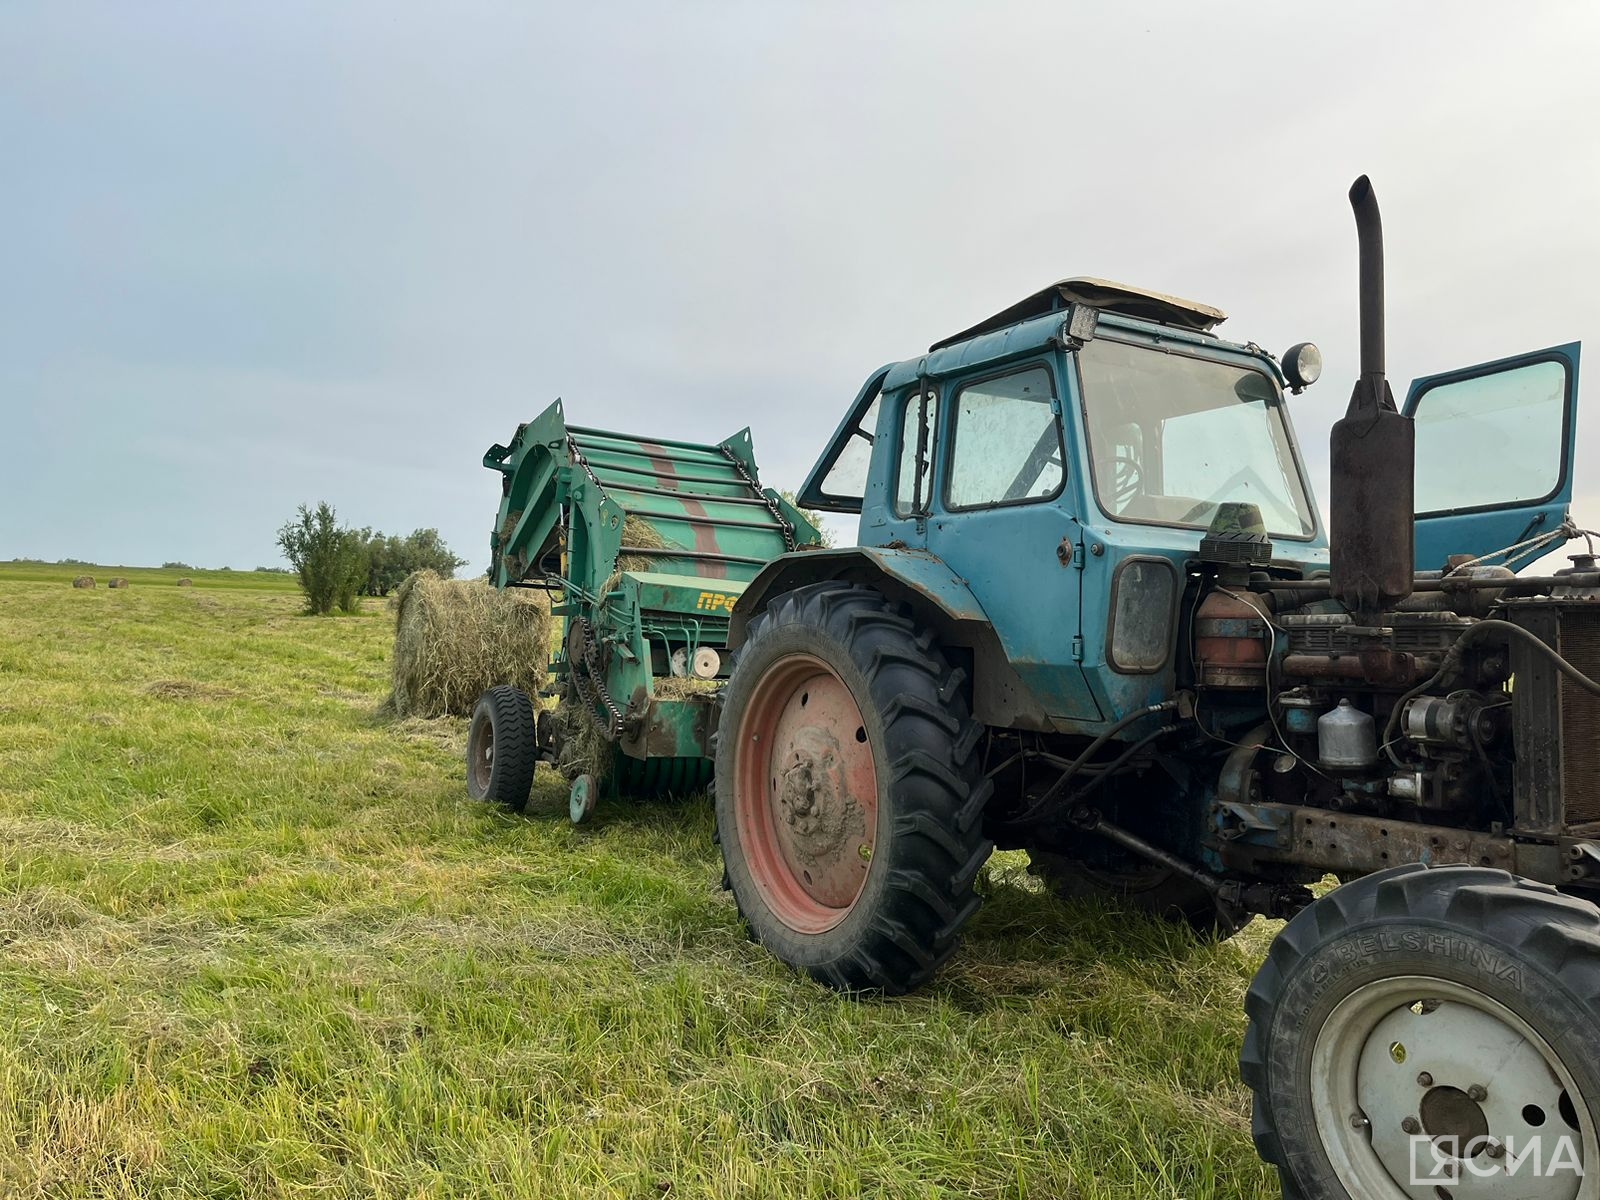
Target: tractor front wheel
(1426, 1033)
(849, 798)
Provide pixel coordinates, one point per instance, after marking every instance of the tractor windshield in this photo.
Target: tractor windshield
(1172, 436)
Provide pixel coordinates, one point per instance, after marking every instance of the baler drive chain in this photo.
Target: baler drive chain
(755, 488)
(588, 674)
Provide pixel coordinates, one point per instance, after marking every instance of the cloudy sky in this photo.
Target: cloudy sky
(256, 255)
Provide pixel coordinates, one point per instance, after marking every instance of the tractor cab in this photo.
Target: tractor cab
(1064, 458)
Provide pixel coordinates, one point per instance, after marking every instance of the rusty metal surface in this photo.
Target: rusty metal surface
(1375, 665)
(1330, 841)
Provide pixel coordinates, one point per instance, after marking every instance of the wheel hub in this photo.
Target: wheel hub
(807, 793)
(1427, 1090)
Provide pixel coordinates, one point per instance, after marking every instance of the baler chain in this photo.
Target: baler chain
(588, 674)
(577, 457)
(755, 488)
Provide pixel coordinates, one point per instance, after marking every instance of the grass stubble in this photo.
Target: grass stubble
(255, 941)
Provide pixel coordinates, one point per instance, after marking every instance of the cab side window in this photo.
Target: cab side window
(1005, 443)
(918, 433)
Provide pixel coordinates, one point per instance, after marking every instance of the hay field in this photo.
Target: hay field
(254, 941)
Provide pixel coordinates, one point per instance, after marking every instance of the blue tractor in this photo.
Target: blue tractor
(1095, 614)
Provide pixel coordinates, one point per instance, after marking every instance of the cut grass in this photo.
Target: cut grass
(255, 941)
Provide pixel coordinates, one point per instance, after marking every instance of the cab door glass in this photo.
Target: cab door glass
(1491, 439)
(1006, 442)
(918, 433)
(847, 478)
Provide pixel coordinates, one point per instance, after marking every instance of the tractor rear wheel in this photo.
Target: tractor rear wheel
(1430, 1033)
(502, 747)
(848, 793)
(1141, 887)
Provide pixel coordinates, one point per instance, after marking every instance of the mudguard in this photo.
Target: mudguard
(941, 599)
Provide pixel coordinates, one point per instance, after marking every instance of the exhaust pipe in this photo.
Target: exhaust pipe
(1372, 514)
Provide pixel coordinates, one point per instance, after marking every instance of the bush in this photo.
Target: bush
(393, 559)
(176, 566)
(331, 561)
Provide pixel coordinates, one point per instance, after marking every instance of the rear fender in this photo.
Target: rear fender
(940, 600)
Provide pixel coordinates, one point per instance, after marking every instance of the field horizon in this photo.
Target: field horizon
(257, 941)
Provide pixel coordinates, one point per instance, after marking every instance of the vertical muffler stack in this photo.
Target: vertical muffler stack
(1372, 452)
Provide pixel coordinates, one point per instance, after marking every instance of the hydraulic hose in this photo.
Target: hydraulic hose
(1103, 773)
(1452, 661)
(1077, 764)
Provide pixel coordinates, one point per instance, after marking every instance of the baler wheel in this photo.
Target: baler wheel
(849, 797)
(502, 747)
(581, 798)
(1430, 1032)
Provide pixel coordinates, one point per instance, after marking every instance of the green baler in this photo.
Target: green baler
(645, 544)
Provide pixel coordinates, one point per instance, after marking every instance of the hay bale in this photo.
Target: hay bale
(117, 583)
(185, 583)
(456, 638)
(83, 581)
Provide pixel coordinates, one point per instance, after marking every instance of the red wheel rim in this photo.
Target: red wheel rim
(480, 747)
(806, 793)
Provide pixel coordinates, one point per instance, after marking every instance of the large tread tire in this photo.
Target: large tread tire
(502, 721)
(1155, 891)
(919, 888)
(1518, 943)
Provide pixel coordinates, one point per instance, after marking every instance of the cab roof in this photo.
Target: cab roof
(1102, 294)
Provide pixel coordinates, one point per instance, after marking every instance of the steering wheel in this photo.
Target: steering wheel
(1126, 476)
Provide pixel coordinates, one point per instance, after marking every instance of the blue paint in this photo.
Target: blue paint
(1485, 522)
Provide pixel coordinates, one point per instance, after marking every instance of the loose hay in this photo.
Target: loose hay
(83, 581)
(456, 638)
(584, 750)
(681, 687)
(636, 531)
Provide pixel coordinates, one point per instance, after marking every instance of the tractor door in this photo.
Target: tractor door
(1494, 456)
(988, 472)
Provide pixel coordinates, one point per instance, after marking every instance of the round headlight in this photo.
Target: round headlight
(1302, 365)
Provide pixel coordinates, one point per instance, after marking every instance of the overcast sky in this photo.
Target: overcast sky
(262, 254)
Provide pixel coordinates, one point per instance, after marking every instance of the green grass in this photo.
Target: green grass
(255, 941)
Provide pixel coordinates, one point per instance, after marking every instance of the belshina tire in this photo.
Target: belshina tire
(849, 796)
(1384, 1007)
(502, 747)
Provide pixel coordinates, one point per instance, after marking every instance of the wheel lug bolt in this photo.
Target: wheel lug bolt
(1497, 1150)
(1357, 1121)
(1411, 1125)
(1478, 1093)
(1424, 1080)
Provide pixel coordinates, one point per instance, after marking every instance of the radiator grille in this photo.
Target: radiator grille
(1580, 717)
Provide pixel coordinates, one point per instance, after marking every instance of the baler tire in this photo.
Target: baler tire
(502, 768)
(1470, 943)
(1156, 892)
(926, 844)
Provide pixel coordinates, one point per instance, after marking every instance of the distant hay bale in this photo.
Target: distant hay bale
(185, 583)
(456, 638)
(117, 583)
(83, 581)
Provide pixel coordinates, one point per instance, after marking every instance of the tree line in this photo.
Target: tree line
(338, 564)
